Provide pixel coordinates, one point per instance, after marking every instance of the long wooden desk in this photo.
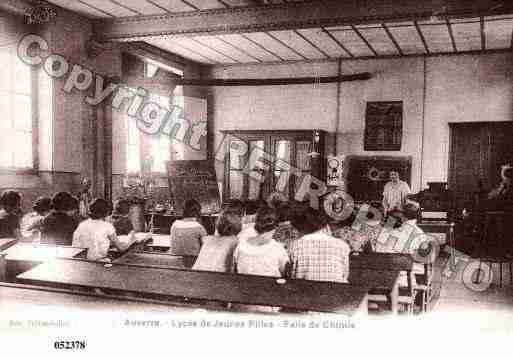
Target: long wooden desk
(156, 259)
(371, 274)
(7, 242)
(18, 298)
(24, 256)
(223, 287)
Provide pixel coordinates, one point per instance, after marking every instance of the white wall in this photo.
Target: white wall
(434, 91)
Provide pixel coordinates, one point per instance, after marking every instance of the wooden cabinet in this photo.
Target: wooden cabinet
(259, 162)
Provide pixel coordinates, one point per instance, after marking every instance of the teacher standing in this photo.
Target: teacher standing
(395, 193)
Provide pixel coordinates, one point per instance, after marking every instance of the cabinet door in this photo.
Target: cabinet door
(246, 174)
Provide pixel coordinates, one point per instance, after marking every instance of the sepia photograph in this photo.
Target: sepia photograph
(291, 175)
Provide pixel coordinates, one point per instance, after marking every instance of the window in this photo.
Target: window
(133, 147)
(160, 144)
(18, 134)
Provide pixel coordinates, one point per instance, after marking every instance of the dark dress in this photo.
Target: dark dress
(58, 228)
(9, 223)
(122, 224)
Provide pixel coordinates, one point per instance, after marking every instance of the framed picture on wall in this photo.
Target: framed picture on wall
(383, 126)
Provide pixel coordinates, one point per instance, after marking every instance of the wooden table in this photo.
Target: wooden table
(158, 260)
(385, 281)
(24, 256)
(223, 287)
(159, 242)
(7, 242)
(18, 298)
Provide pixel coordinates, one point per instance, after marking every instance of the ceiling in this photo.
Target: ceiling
(433, 36)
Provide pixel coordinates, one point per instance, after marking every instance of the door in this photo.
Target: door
(477, 150)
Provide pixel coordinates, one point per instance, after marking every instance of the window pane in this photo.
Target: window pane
(6, 149)
(133, 157)
(21, 77)
(22, 112)
(5, 70)
(257, 158)
(302, 158)
(5, 110)
(285, 190)
(160, 153)
(23, 150)
(236, 184)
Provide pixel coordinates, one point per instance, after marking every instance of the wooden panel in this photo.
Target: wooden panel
(299, 44)
(174, 5)
(498, 33)
(351, 41)
(378, 39)
(273, 46)
(407, 37)
(467, 35)
(437, 37)
(323, 41)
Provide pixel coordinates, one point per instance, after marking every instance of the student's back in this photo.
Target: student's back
(187, 233)
(9, 223)
(10, 214)
(58, 226)
(216, 253)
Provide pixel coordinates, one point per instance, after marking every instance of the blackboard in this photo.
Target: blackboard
(367, 175)
(194, 180)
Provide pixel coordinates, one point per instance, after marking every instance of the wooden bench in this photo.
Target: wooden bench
(384, 263)
(173, 284)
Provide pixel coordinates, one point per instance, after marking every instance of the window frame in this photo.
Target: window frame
(34, 94)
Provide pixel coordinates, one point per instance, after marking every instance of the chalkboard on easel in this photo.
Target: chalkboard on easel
(194, 180)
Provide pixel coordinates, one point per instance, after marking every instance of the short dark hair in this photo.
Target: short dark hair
(62, 201)
(99, 209)
(309, 220)
(10, 199)
(283, 210)
(411, 211)
(508, 173)
(228, 224)
(42, 205)
(191, 208)
(266, 219)
(122, 206)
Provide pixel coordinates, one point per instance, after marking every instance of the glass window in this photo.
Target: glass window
(160, 150)
(16, 99)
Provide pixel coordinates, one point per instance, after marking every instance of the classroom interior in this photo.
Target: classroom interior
(342, 92)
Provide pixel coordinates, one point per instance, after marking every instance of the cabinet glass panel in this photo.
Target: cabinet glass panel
(257, 175)
(238, 154)
(236, 184)
(302, 158)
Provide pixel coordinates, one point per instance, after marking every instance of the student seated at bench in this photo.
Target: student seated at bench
(216, 253)
(408, 238)
(120, 219)
(262, 254)
(10, 214)
(98, 235)
(58, 226)
(187, 233)
(316, 255)
(32, 222)
(285, 233)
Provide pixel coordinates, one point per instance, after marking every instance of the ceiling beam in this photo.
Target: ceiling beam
(274, 81)
(293, 15)
(19, 7)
